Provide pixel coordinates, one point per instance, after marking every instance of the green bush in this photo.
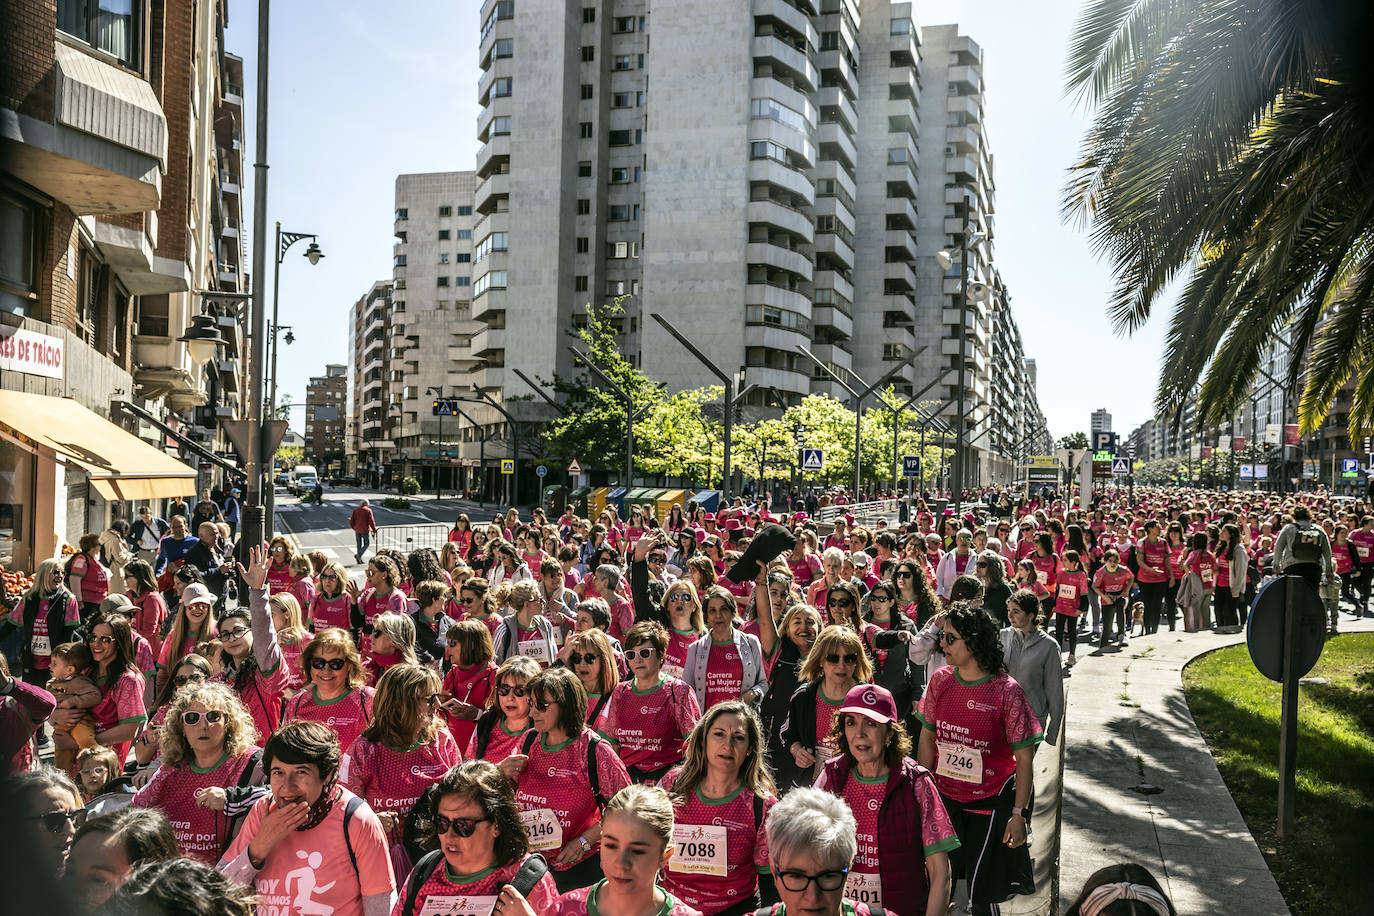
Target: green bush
(409, 486)
(396, 502)
(308, 497)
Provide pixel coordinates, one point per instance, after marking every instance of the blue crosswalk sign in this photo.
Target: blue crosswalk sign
(911, 465)
(1121, 467)
(811, 459)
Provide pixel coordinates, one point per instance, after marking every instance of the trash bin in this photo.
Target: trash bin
(664, 504)
(555, 498)
(644, 496)
(707, 499)
(596, 502)
(578, 499)
(616, 498)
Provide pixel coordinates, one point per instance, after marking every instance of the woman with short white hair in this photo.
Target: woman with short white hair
(811, 843)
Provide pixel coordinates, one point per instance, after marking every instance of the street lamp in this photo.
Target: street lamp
(979, 291)
(203, 339)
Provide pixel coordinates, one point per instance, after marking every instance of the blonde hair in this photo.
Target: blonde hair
(338, 642)
(401, 717)
(300, 563)
(400, 629)
(288, 605)
(598, 642)
(239, 731)
(341, 577)
(835, 639)
(521, 594)
(698, 618)
(649, 805)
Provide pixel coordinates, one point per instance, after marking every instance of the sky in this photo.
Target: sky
(371, 91)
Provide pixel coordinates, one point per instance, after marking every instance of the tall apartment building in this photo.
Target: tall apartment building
(768, 176)
(373, 422)
(1101, 422)
(122, 122)
(326, 406)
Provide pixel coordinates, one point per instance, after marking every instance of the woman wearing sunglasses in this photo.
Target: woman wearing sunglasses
(592, 656)
(477, 601)
(47, 806)
(471, 677)
(332, 605)
(892, 666)
(915, 593)
(208, 743)
(254, 665)
(336, 690)
(723, 790)
(120, 714)
(403, 750)
(835, 664)
(977, 738)
(507, 716)
(193, 669)
(564, 774)
(648, 717)
(483, 852)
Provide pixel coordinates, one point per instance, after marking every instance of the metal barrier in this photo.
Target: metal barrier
(864, 513)
(406, 538)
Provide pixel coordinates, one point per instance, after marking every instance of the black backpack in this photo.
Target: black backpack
(524, 880)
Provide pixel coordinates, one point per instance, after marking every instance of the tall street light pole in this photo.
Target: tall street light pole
(258, 442)
(896, 419)
(512, 498)
(858, 397)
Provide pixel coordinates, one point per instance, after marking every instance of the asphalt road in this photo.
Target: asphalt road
(325, 527)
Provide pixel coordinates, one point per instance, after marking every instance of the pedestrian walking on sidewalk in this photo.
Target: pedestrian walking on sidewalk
(364, 525)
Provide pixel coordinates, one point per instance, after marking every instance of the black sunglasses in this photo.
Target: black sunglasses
(838, 602)
(506, 690)
(849, 658)
(542, 705)
(463, 826)
(53, 821)
(583, 658)
(905, 574)
(949, 638)
(335, 664)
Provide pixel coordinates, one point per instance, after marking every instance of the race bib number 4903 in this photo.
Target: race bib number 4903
(543, 829)
(699, 850)
(956, 761)
(457, 905)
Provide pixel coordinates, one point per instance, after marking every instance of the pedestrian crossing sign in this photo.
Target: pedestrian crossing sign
(507, 466)
(1121, 467)
(811, 459)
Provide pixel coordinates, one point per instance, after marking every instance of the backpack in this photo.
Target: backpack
(523, 881)
(417, 826)
(528, 741)
(350, 809)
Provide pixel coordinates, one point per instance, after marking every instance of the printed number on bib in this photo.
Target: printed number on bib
(536, 649)
(41, 645)
(862, 888)
(1363, 551)
(1042, 577)
(700, 850)
(458, 905)
(543, 829)
(1208, 576)
(1068, 592)
(959, 762)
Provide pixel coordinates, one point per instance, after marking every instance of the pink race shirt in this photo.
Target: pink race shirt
(554, 790)
(309, 872)
(724, 673)
(825, 713)
(330, 612)
(95, 578)
(648, 727)
(150, 611)
(675, 656)
(1072, 586)
(304, 591)
(1156, 555)
(41, 641)
(469, 685)
(374, 605)
(202, 833)
(582, 902)
(1115, 584)
(500, 743)
(978, 726)
(291, 655)
(1205, 565)
(717, 879)
(393, 780)
(279, 577)
(121, 703)
(805, 570)
(347, 714)
(480, 890)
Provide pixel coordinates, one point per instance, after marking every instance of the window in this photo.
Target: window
(152, 316)
(464, 233)
(830, 41)
(624, 24)
(902, 27)
(615, 287)
(620, 176)
(639, 100)
(584, 244)
(500, 126)
(894, 351)
(445, 211)
(620, 138)
(619, 212)
(505, 9)
(504, 47)
(634, 291)
(580, 283)
(502, 87)
(588, 53)
(584, 206)
(622, 100)
(462, 281)
(112, 26)
(584, 169)
(464, 211)
(443, 281)
(444, 234)
(621, 249)
(494, 280)
(589, 14)
(402, 213)
(776, 111)
(623, 62)
(640, 59)
(497, 241)
(463, 257)
(896, 156)
(772, 317)
(18, 247)
(584, 130)
(636, 173)
(587, 92)
(400, 261)
(443, 258)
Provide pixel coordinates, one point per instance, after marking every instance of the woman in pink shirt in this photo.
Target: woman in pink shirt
(150, 609)
(88, 576)
(279, 575)
(336, 691)
(381, 596)
(461, 535)
(302, 580)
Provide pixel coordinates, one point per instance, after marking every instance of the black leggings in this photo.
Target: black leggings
(1152, 594)
(1066, 632)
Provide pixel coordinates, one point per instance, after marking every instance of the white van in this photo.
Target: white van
(303, 479)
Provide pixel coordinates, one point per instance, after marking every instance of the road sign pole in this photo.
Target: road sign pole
(1288, 715)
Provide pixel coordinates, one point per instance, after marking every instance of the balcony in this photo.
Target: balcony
(835, 141)
(796, 382)
(967, 105)
(788, 15)
(835, 62)
(761, 293)
(966, 77)
(779, 258)
(966, 139)
(830, 321)
(781, 216)
(832, 97)
(903, 240)
(775, 338)
(487, 342)
(962, 167)
(494, 150)
(903, 207)
(784, 57)
(492, 193)
(899, 272)
(777, 174)
(830, 243)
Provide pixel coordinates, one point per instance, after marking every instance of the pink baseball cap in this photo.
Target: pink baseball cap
(871, 701)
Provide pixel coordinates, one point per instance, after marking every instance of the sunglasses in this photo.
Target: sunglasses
(658, 559)
(54, 821)
(880, 599)
(583, 658)
(506, 690)
(211, 717)
(647, 652)
(329, 576)
(467, 600)
(679, 597)
(181, 680)
(904, 575)
(543, 705)
(463, 826)
(101, 640)
(849, 658)
(335, 664)
(432, 699)
(236, 633)
(949, 638)
(839, 602)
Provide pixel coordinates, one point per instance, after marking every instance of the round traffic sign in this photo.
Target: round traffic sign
(1264, 633)
(541, 471)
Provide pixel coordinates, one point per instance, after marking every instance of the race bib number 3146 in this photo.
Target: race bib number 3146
(543, 829)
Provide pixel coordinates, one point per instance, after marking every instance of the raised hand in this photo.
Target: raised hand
(255, 574)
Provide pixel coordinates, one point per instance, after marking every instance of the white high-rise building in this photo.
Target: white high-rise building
(1101, 421)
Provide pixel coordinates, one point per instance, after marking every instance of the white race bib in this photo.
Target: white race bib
(41, 645)
(536, 649)
(1208, 575)
(1042, 577)
(672, 670)
(458, 905)
(1363, 551)
(862, 888)
(956, 761)
(699, 849)
(543, 829)
(1068, 592)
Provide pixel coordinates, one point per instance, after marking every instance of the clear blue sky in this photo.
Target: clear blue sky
(362, 92)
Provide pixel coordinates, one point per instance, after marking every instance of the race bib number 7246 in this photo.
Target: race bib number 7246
(959, 762)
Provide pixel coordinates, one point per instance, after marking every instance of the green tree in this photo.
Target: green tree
(674, 439)
(1077, 440)
(1231, 146)
(288, 456)
(765, 449)
(828, 425)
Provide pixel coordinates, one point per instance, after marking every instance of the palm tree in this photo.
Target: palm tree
(1232, 146)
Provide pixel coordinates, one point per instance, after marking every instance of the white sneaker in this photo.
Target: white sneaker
(1125, 640)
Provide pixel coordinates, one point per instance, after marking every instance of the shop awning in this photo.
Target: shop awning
(121, 466)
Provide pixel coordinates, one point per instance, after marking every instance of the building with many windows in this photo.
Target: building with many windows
(373, 420)
(326, 410)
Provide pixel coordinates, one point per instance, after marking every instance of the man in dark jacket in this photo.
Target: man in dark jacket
(145, 534)
(215, 563)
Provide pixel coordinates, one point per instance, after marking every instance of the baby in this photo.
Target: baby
(72, 689)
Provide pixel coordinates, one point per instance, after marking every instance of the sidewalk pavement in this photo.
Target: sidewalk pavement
(1127, 723)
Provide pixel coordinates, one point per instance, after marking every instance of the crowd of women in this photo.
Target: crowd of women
(712, 712)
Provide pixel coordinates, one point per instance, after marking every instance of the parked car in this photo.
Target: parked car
(345, 482)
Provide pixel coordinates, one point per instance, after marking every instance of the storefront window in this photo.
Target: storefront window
(17, 486)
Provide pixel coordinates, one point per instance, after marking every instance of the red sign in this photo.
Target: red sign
(1290, 434)
(1206, 452)
(30, 352)
(1237, 443)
